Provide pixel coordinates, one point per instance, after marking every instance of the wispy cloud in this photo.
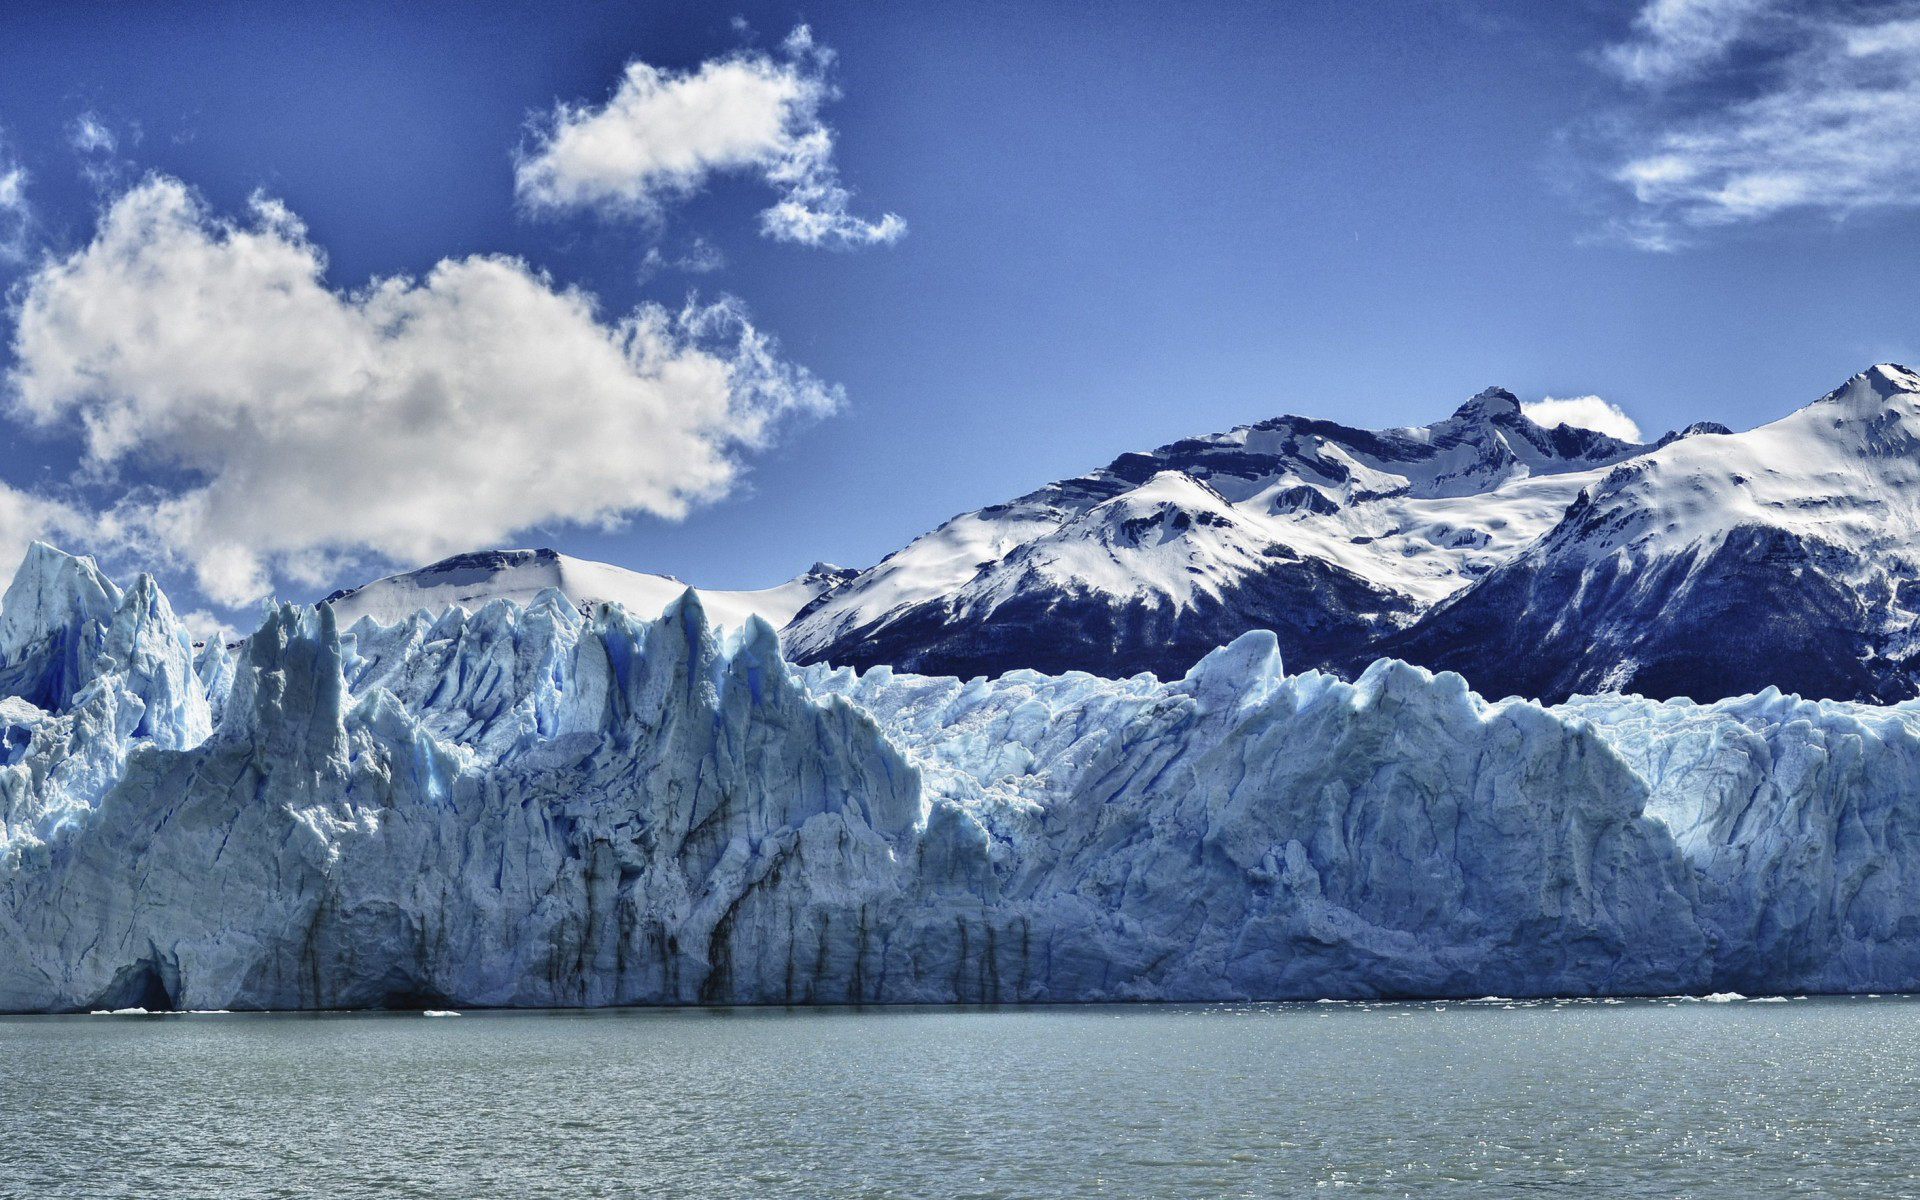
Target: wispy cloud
(96, 144)
(296, 423)
(1583, 412)
(663, 133)
(16, 214)
(1675, 39)
(88, 134)
(700, 257)
(1749, 110)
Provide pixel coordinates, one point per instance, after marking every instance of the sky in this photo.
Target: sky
(295, 298)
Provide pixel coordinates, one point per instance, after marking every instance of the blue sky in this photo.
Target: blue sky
(1113, 225)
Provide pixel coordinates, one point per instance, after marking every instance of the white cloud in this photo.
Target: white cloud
(97, 146)
(16, 215)
(1582, 412)
(701, 257)
(1675, 38)
(261, 423)
(663, 133)
(1821, 113)
(88, 134)
(208, 627)
(26, 518)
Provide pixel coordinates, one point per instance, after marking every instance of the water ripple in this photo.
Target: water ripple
(1635, 1099)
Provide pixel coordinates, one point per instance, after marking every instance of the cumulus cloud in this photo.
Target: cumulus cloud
(26, 518)
(208, 627)
(1810, 109)
(258, 422)
(1582, 412)
(663, 133)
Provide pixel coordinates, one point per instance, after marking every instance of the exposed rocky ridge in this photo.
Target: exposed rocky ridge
(1785, 556)
(1330, 536)
(1542, 562)
(471, 580)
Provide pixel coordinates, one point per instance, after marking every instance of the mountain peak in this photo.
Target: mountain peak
(1693, 430)
(1887, 378)
(1489, 403)
(472, 580)
(1868, 394)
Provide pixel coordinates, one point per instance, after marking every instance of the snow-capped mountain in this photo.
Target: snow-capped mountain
(1543, 562)
(1537, 561)
(472, 580)
(1788, 555)
(1331, 536)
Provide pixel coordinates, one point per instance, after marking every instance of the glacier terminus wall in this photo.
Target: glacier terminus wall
(531, 806)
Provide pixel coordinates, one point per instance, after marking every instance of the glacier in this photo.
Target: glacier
(531, 805)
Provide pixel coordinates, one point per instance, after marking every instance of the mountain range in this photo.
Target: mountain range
(472, 580)
(1534, 560)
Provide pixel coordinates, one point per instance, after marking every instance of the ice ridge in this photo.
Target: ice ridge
(534, 806)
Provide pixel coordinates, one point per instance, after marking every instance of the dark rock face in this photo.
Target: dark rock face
(1778, 558)
(1763, 607)
(1705, 565)
(1016, 610)
(1322, 614)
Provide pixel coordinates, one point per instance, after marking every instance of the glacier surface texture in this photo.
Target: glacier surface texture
(528, 805)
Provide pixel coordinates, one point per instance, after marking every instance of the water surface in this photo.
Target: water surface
(1643, 1098)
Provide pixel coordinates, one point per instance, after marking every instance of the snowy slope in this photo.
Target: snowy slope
(1328, 535)
(528, 806)
(471, 580)
(1539, 562)
(1786, 555)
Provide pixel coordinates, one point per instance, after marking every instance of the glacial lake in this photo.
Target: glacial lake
(1637, 1098)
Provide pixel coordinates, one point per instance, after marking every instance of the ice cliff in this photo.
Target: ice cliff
(532, 806)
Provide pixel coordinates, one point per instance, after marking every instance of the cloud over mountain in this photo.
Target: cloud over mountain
(1583, 412)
